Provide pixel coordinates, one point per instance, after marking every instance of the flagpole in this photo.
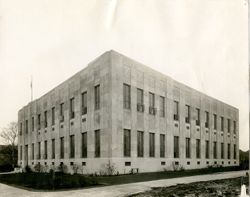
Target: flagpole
(31, 88)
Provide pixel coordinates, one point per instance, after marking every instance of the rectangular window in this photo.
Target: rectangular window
(72, 146)
(176, 110)
(72, 108)
(228, 151)
(140, 144)
(222, 150)
(198, 148)
(39, 150)
(140, 101)
(235, 127)
(62, 147)
(228, 126)
(61, 112)
(162, 145)
(126, 143)
(32, 123)
(207, 119)
(215, 150)
(84, 145)
(222, 123)
(97, 97)
(45, 119)
(39, 121)
(162, 106)
(21, 128)
(21, 153)
(26, 126)
(188, 148)
(197, 116)
(176, 146)
(151, 144)
(45, 150)
(53, 116)
(187, 113)
(215, 122)
(152, 103)
(33, 151)
(84, 103)
(234, 151)
(207, 149)
(53, 148)
(97, 144)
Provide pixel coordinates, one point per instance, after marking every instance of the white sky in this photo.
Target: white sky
(200, 43)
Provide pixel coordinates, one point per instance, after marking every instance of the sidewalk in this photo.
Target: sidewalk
(118, 190)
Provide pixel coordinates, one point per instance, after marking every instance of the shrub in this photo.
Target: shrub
(38, 167)
(62, 168)
(28, 169)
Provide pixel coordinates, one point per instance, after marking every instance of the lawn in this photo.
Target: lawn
(57, 181)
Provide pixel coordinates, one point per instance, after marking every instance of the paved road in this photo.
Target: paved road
(117, 190)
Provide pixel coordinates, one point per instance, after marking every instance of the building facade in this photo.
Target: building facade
(121, 112)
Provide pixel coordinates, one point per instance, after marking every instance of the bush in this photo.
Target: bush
(28, 169)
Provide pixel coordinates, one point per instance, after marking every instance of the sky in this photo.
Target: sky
(203, 44)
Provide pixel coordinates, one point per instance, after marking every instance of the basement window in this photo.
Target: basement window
(127, 163)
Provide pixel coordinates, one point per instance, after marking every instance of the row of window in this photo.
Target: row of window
(152, 109)
(61, 111)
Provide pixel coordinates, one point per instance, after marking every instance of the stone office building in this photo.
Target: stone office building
(119, 111)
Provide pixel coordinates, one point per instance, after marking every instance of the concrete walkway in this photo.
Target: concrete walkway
(118, 190)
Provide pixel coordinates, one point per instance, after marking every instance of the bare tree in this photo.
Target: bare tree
(9, 135)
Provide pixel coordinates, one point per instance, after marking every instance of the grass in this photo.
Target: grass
(46, 181)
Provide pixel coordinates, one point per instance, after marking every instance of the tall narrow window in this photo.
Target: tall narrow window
(45, 119)
(198, 148)
(222, 150)
(140, 102)
(162, 145)
(235, 127)
(215, 150)
(207, 119)
(140, 144)
(228, 126)
(151, 144)
(188, 148)
(187, 113)
(62, 147)
(72, 146)
(53, 148)
(222, 123)
(97, 144)
(84, 103)
(207, 149)
(21, 153)
(176, 110)
(229, 151)
(39, 121)
(152, 103)
(33, 151)
(176, 146)
(61, 112)
(32, 123)
(84, 145)
(72, 108)
(197, 116)
(39, 150)
(53, 116)
(21, 128)
(97, 97)
(162, 106)
(45, 150)
(26, 126)
(126, 143)
(234, 151)
(215, 122)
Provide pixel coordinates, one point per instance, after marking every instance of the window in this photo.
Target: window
(72, 146)
(140, 105)
(39, 121)
(222, 150)
(61, 112)
(84, 145)
(84, 103)
(198, 148)
(21, 128)
(176, 146)
(53, 148)
(197, 116)
(215, 150)
(176, 110)
(39, 150)
(207, 149)
(21, 152)
(187, 113)
(206, 119)
(188, 148)
(45, 119)
(215, 122)
(152, 109)
(235, 127)
(45, 150)
(62, 147)
(97, 97)
(140, 144)
(126, 143)
(162, 106)
(72, 108)
(228, 125)
(26, 126)
(32, 123)
(97, 143)
(222, 123)
(234, 151)
(162, 145)
(229, 151)
(33, 151)
(53, 116)
(151, 144)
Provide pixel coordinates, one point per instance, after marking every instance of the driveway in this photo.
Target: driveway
(118, 190)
